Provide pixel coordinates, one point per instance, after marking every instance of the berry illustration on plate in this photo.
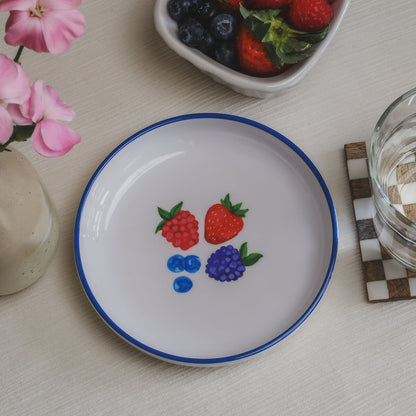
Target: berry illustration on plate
(223, 221)
(228, 264)
(182, 284)
(192, 264)
(178, 263)
(179, 227)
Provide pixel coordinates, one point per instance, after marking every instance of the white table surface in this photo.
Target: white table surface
(57, 357)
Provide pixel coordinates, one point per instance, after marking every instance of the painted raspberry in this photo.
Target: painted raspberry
(228, 264)
(178, 227)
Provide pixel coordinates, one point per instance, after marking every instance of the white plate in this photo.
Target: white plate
(198, 159)
(245, 84)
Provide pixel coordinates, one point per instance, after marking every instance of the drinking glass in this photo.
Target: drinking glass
(392, 166)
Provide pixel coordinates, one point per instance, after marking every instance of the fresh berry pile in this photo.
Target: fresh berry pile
(204, 25)
(228, 263)
(178, 227)
(257, 37)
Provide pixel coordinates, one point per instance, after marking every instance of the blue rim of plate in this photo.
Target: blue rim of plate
(220, 360)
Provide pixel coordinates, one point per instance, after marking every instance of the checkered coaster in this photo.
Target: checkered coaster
(384, 277)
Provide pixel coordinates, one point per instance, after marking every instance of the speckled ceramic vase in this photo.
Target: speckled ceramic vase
(28, 224)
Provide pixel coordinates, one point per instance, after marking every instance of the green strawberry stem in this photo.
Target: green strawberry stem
(234, 209)
(167, 215)
(284, 44)
(248, 259)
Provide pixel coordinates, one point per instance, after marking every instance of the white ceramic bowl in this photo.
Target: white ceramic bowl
(244, 84)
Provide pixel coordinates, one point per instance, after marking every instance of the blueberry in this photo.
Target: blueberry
(195, 4)
(224, 26)
(192, 264)
(182, 284)
(206, 11)
(176, 263)
(191, 32)
(207, 43)
(178, 9)
(225, 53)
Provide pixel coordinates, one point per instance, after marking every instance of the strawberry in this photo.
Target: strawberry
(253, 58)
(223, 221)
(231, 5)
(178, 227)
(310, 15)
(267, 45)
(267, 4)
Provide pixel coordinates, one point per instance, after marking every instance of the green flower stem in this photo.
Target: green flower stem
(3, 146)
(20, 134)
(19, 52)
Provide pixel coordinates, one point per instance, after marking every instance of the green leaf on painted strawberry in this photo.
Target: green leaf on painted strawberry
(234, 209)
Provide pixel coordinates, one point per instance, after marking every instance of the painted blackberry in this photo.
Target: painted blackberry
(228, 263)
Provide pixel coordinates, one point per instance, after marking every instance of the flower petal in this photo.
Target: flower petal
(52, 139)
(6, 125)
(54, 107)
(14, 81)
(61, 4)
(15, 111)
(22, 29)
(8, 5)
(60, 28)
(35, 108)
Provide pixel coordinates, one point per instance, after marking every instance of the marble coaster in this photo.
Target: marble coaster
(385, 278)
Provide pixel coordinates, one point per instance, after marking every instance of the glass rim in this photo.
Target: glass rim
(372, 165)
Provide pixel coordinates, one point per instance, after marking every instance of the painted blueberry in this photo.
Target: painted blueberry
(176, 263)
(182, 284)
(192, 264)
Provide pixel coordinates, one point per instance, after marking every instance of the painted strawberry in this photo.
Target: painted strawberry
(267, 4)
(178, 227)
(310, 15)
(267, 44)
(223, 221)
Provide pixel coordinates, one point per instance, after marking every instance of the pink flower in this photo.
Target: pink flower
(14, 88)
(44, 107)
(43, 25)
